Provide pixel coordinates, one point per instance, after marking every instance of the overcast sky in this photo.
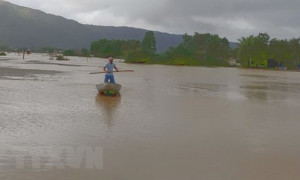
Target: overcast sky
(230, 18)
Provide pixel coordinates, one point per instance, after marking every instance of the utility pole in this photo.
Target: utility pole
(250, 62)
(23, 54)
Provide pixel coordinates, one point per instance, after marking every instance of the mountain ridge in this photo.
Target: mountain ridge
(24, 27)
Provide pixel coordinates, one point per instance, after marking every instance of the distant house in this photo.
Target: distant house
(232, 62)
(282, 67)
(28, 51)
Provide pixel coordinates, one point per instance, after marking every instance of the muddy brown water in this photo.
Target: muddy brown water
(168, 123)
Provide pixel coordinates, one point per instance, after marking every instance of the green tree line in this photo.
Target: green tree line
(200, 49)
(115, 48)
(83, 52)
(255, 51)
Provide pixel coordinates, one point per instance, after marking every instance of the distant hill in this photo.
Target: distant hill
(25, 27)
(233, 45)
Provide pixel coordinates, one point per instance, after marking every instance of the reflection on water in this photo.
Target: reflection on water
(197, 87)
(108, 106)
(269, 77)
(272, 90)
(252, 90)
(266, 90)
(275, 86)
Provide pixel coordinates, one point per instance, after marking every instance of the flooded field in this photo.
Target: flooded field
(169, 122)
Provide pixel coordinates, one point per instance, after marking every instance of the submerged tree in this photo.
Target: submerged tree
(149, 43)
(115, 48)
(253, 50)
(200, 49)
(146, 53)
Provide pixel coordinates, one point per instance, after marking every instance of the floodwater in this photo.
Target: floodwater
(169, 122)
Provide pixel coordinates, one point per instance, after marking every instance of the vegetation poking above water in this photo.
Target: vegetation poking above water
(200, 49)
(61, 58)
(206, 50)
(261, 51)
(83, 53)
(2, 54)
(115, 48)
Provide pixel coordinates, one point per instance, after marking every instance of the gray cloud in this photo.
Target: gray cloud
(231, 18)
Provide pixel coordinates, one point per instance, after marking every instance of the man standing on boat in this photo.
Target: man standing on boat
(109, 68)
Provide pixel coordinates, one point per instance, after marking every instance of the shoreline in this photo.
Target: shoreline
(262, 69)
(183, 65)
(275, 70)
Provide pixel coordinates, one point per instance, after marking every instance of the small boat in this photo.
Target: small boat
(108, 89)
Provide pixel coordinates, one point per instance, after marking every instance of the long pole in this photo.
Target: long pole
(113, 71)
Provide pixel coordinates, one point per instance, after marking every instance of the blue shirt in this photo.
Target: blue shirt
(110, 68)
